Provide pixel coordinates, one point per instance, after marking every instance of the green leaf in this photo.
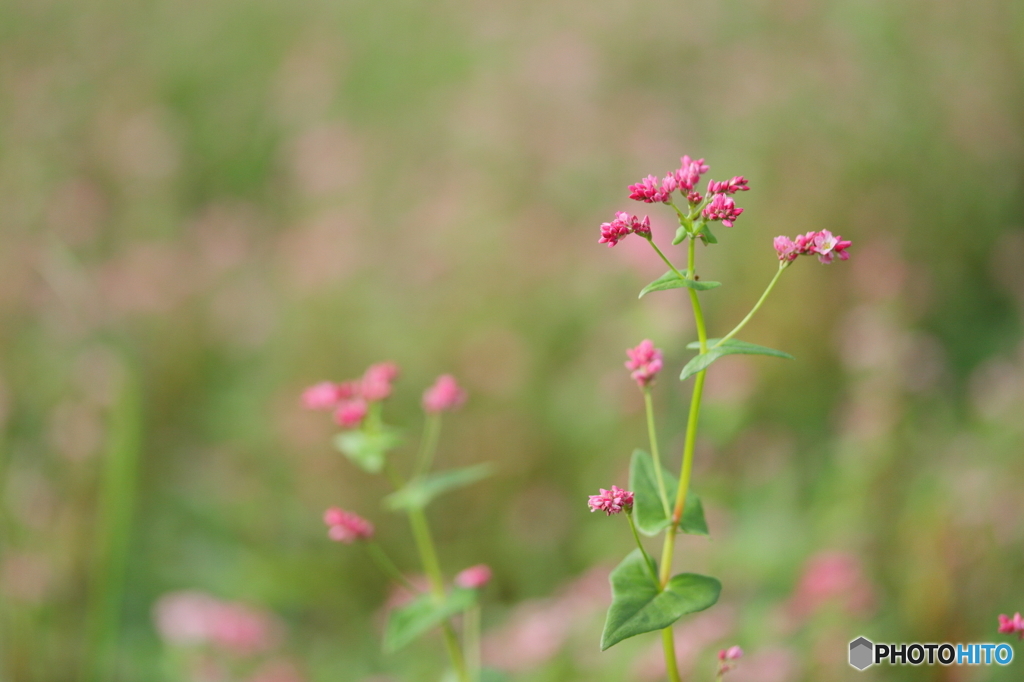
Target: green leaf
(648, 511)
(367, 450)
(638, 606)
(410, 621)
(730, 347)
(705, 234)
(670, 280)
(681, 234)
(417, 493)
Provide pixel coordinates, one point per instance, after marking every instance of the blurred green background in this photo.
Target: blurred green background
(207, 206)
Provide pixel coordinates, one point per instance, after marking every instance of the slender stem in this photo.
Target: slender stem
(665, 258)
(684, 477)
(385, 564)
(647, 559)
(782, 266)
(652, 435)
(428, 444)
(432, 567)
(471, 640)
(669, 644)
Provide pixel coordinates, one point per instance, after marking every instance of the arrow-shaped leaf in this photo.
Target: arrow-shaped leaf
(730, 347)
(410, 621)
(417, 493)
(648, 511)
(638, 606)
(670, 280)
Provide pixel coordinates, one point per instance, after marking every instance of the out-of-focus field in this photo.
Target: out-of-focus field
(207, 206)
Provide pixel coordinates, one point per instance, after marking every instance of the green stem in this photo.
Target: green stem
(652, 435)
(665, 258)
(782, 266)
(669, 644)
(647, 559)
(471, 640)
(432, 567)
(428, 444)
(385, 564)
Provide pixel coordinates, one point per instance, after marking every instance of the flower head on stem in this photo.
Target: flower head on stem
(612, 501)
(645, 361)
(826, 246)
(351, 413)
(347, 527)
(727, 659)
(474, 577)
(623, 226)
(444, 395)
(722, 208)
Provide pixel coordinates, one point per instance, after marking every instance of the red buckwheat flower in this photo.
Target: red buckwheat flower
(444, 395)
(826, 246)
(611, 501)
(623, 226)
(326, 395)
(1011, 626)
(474, 577)
(350, 413)
(689, 172)
(347, 527)
(645, 361)
(722, 208)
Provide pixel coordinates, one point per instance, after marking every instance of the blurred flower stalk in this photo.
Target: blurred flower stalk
(644, 598)
(368, 442)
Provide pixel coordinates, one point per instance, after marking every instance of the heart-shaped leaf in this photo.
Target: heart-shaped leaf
(417, 493)
(648, 511)
(670, 280)
(410, 621)
(730, 347)
(368, 450)
(638, 606)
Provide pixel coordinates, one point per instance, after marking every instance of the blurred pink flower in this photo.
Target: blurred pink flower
(322, 396)
(1010, 626)
(832, 577)
(722, 208)
(444, 395)
(376, 382)
(350, 413)
(785, 247)
(645, 361)
(195, 618)
(611, 501)
(727, 658)
(474, 577)
(347, 527)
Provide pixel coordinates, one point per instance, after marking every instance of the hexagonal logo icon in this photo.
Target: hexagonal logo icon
(861, 653)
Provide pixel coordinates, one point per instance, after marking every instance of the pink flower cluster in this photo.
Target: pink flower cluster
(612, 501)
(727, 659)
(623, 226)
(1011, 626)
(347, 527)
(444, 395)
(722, 208)
(645, 361)
(190, 618)
(474, 577)
(650, 190)
(826, 246)
(350, 399)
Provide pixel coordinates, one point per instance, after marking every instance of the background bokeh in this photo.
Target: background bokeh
(207, 206)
